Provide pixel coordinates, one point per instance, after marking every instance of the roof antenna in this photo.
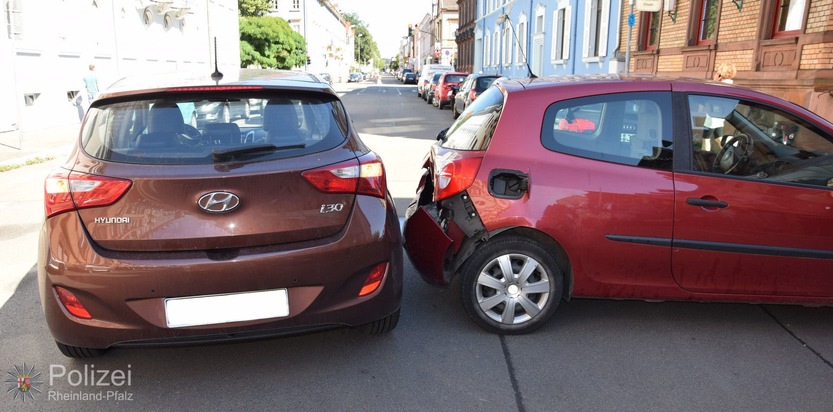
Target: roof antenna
(500, 20)
(216, 76)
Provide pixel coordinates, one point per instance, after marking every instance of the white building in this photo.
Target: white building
(329, 36)
(51, 45)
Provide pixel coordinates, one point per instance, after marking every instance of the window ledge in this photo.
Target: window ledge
(780, 41)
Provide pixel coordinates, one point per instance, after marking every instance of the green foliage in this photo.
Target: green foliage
(253, 8)
(269, 42)
(364, 44)
(394, 63)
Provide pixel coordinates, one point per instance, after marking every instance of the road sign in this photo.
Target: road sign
(649, 5)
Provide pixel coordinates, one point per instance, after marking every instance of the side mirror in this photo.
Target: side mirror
(441, 135)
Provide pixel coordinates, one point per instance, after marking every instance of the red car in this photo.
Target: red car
(447, 87)
(626, 188)
(158, 233)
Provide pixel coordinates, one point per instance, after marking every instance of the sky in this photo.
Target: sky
(387, 20)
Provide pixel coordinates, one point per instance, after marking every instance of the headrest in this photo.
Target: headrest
(278, 114)
(165, 117)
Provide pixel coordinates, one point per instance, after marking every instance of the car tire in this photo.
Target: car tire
(486, 298)
(226, 115)
(383, 325)
(429, 99)
(439, 104)
(79, 353)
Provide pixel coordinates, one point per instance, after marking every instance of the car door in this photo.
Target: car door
(754, 214)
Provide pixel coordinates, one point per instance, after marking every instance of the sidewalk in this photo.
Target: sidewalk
(16, 147)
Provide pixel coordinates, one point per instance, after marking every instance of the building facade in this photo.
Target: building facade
(445, 25)
(549, 37)
(51, 48)
(465, 35)
(781, 47)
(329, 37)
(424, 41)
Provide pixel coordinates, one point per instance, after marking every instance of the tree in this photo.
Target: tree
(365, 46)
(253, 8)
(270, 42)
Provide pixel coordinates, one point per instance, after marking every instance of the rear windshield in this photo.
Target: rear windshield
(198, 129)
(483, 83)
(474, 128)
(455, 78)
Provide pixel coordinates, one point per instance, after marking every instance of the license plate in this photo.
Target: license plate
(233, 307)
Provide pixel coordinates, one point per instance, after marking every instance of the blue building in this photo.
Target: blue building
(553, 36)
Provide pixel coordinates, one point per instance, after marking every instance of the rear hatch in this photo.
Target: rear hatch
(224, 185)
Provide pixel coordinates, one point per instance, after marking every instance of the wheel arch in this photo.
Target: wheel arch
(543, 239)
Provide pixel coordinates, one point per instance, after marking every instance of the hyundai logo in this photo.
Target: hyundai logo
(219, 202)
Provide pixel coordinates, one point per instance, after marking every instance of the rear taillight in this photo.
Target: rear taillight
(365, 176)
(65, 191)
(72, 304)
(455, 172)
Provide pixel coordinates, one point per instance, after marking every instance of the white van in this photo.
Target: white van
(427, 71)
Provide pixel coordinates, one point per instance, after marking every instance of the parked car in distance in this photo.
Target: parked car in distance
(423, 82)
(431, 88)
(327, 78)
(410, 78)
(354, 77)
(401, 74)
(426, 74)
(444, 94)
(625, 188)
(471, 88)
(159, 233)
(211, 111)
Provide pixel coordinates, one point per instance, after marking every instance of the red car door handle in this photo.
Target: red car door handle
(706, 203)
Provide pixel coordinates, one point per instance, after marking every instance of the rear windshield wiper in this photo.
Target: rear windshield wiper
(258, 150)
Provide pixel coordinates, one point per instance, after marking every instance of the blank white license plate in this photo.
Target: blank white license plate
(234, 307)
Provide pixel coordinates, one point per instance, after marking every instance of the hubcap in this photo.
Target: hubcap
(512, 289)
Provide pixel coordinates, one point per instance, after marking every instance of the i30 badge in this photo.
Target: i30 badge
(219, 202)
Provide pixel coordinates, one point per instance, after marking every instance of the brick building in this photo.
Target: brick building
(465, 35)
(781, 47)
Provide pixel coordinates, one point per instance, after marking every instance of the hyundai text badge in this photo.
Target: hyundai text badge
(219, 202)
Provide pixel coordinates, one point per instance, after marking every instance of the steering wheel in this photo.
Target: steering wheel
(730, 156)
(191, 136)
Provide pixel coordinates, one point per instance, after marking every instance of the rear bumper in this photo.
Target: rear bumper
(125, 292)
(427, 245)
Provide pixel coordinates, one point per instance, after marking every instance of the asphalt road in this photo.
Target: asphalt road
(593, 355)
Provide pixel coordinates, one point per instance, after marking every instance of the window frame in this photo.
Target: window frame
(777, 5)
(700, 22)
(661, 99)
(560, 50)
(520, 47)
(597, 21)
(777, 114)
(507, 44)
(647, 20)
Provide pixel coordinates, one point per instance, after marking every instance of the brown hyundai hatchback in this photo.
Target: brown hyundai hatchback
(158, 232)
